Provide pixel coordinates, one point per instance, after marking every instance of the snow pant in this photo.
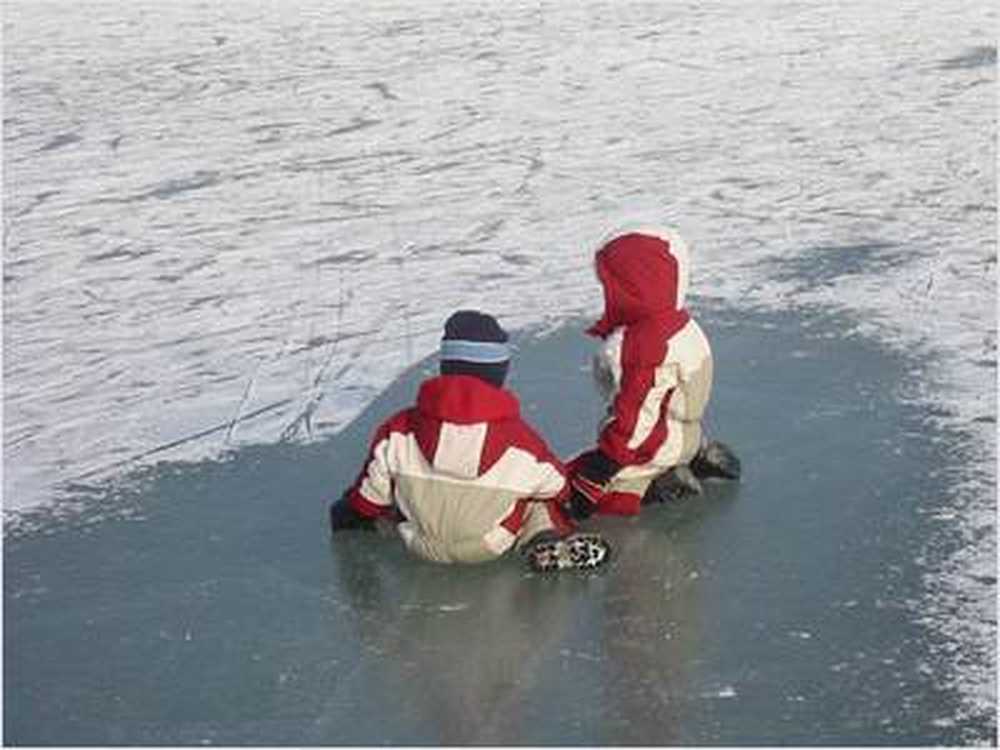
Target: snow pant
(530, 518)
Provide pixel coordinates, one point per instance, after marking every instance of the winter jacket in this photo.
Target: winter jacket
(655, 364)
(467, 474)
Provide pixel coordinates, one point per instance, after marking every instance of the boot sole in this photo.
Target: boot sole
(575, 552)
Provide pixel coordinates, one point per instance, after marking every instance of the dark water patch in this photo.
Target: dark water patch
(60, 141)
(826, 264)
(357, 123)
(976, 57)
(87, 231)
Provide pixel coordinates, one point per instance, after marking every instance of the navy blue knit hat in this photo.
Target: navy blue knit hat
(475, 344)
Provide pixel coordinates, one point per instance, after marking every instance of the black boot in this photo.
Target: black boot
(716, 459)
(672, 485)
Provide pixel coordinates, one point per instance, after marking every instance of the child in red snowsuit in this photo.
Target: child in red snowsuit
(655, 370)
(460, 475)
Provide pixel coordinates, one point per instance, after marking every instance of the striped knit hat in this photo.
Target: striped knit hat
(475, 344)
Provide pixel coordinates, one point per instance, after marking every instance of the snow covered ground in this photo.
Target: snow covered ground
(237, 222)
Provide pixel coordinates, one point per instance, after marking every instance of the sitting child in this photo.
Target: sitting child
(655, 371)
(461, 476)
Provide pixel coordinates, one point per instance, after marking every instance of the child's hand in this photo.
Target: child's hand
(595, 466)
(585, 497)
(344, 518)
(580, 508)
(589, 476)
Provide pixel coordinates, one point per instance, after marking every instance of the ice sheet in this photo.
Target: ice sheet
(790, 609)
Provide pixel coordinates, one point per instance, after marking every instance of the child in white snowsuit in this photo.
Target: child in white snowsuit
(462, 476)
(655, 370)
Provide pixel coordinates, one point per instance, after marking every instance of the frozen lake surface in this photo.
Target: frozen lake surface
(788, 609)
(228, 227)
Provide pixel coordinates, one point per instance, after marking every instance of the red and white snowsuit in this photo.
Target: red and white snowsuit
(655, 364)
(469, 476)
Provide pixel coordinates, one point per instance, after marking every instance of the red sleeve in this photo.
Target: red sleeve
(616, 434)
(643, 349)
(371, 495)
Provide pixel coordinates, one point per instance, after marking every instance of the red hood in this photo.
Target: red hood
(642, 282)
(465, 399)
